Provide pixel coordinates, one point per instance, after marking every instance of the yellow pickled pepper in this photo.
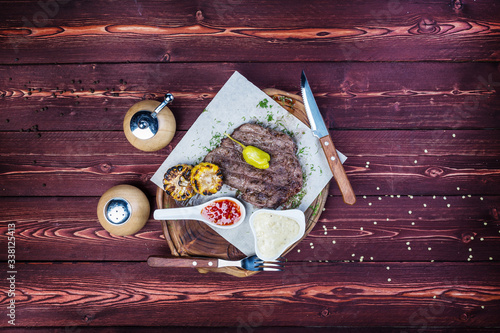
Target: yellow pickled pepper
(254, 156)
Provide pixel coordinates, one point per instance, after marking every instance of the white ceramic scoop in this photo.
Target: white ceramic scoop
(220, 204)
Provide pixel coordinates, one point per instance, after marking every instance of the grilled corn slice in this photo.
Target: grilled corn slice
(206, 178)
(177, 182)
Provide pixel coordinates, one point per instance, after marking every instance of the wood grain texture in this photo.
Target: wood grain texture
(416, 294)
(351, 95)
(398, 162)
(229, 31)
(376, 229)
(408, 89)
(267, 329)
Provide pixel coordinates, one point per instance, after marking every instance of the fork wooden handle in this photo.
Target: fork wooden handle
(157, 261)
(337, 170)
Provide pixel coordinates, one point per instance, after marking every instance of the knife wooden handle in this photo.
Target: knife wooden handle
(155, 261)
(337, 170)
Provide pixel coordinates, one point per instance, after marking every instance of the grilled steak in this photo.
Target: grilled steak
(269, 187)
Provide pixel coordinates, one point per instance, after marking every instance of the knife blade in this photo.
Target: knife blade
(320, 131)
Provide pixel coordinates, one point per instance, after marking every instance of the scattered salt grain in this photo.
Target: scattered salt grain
(389, 279)
(409, 212)
(429, 248)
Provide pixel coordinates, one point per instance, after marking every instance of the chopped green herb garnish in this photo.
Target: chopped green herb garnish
(263, 103)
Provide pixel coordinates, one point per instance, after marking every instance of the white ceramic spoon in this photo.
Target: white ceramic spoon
(194, 213)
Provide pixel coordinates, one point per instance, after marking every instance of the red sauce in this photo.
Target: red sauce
(222, 212)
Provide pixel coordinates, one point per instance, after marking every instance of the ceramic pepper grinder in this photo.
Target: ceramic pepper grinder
(123, 210)
(150, 125)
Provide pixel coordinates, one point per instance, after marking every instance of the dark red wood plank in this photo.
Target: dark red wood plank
(230, 31)
(397, 162)
(56, 229)
(267, 329)
(350, 95)
(325, 294)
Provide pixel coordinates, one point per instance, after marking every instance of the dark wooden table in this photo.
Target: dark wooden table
(409, 91)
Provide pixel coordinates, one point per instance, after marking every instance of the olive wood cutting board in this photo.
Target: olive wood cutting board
(196, 239)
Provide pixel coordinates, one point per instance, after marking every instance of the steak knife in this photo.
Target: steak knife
(320, 131)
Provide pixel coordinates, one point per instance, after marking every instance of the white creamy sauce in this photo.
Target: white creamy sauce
(273, 232)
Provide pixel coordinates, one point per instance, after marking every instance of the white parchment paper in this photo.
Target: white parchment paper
(239, 102)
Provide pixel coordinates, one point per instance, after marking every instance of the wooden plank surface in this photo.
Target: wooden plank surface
(319, 294)
(360, 95)
(466, 231)
(426, 162)
(409, 91)
(231, 31)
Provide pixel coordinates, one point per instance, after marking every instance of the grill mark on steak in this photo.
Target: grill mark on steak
(269, 187)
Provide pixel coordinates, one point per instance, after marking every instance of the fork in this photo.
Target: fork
(252, 263)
